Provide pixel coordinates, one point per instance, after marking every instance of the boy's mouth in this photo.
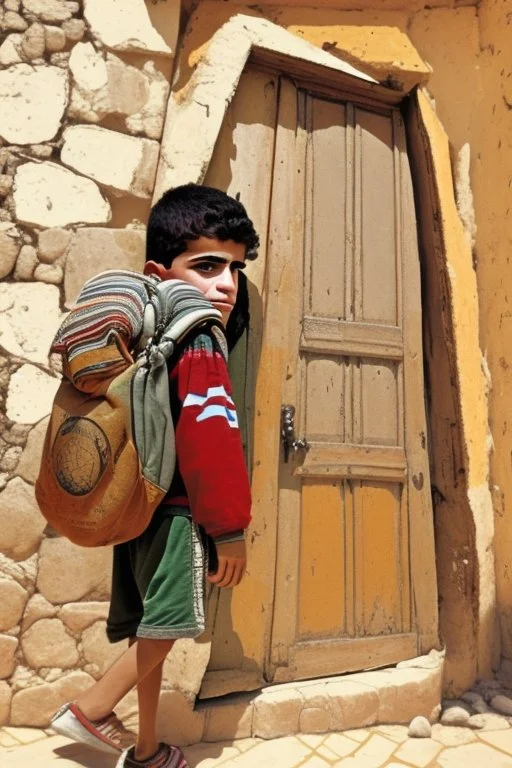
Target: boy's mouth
(224, 306)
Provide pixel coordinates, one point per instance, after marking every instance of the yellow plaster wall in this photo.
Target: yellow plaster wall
(492, 188)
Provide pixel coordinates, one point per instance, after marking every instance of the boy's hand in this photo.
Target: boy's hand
(232, 561)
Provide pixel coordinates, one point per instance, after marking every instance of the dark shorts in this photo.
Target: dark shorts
(159, 585)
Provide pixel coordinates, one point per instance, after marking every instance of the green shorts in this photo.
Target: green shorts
(159, 585)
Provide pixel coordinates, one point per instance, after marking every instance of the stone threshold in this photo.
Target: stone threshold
(393, 695)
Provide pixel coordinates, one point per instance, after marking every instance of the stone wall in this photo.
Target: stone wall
(83, 92)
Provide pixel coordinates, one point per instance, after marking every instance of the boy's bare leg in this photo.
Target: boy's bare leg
(101, 698)
(150, 654)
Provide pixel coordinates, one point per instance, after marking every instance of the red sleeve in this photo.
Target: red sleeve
(208, 442)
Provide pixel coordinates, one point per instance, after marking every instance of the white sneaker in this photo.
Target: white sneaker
(107, 735)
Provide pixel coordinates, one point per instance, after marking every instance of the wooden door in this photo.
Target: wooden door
(341, 559)
(355, 569)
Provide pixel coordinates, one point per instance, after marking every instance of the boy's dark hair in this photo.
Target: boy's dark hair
(192, 211)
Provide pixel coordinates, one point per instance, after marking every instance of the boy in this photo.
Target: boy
(203, 236)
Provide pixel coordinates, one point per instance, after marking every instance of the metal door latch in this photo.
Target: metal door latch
(288, 439)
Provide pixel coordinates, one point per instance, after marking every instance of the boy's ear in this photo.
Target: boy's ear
(154, 268)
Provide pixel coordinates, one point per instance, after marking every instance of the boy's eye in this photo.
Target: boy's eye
(205, 267)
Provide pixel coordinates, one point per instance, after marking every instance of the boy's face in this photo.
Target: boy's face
(211, 265)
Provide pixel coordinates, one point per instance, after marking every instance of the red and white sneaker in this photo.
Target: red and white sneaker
(107, 734)
(166, 756)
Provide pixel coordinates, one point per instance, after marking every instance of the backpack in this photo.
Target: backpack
(109, 455)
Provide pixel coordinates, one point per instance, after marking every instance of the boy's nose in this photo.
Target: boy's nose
(227, 281)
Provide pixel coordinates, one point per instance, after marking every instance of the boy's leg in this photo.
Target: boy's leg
(102, 697)
(150, 656)
(129, 669)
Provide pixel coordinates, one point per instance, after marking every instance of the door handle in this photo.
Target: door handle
(288, 439)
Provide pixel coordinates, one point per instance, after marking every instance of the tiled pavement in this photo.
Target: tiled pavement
(381, 746)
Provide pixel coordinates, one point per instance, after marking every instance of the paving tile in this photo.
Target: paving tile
(451, 735)
(373, 754)
(500, 739)
(418, 752)
(6, 740)
(245, 744)
(475, 755)
(287, 752)
(358, 734)
(324, 751)
(25, 735)
(397, 733)
(495, 722)
(313, 740)
(209, 755)
(340, 744)
(56, 752)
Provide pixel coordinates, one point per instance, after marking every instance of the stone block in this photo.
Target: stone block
(52, 244)
(37, 608)
(94, 249)
(28, 465)
(74, 29)
(149, 119)
(8, 647)
(30, 396)
(47, 195)
(6, 183)
(125, 26)
(23, 572)
(14, 22)
(416, 692)
(68, 573)
(124, 164)
(277, 713)
(48, 10)
(177, 722)
(5, 702)
(230, 720)
(47, 644)
(112, 87)
(314, 720)
(55, 39)
(78, 616)
(98, 651)
(35, 706)
(22, 523)
(185, 666)
(12, 603)
(50, 274)
(26, 263)
(10, 50)
(37, 116)
(9, 248)
(352, 705)
(33, 44)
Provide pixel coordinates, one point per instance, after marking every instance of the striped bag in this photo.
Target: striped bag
(109, 456)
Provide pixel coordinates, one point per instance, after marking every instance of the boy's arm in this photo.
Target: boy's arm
(210, 456)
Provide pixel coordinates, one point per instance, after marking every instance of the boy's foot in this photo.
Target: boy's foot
(107, 734)
(166, 756)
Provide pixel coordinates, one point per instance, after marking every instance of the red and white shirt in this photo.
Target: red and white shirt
(211, 475)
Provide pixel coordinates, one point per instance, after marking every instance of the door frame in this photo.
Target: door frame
(214, 82)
